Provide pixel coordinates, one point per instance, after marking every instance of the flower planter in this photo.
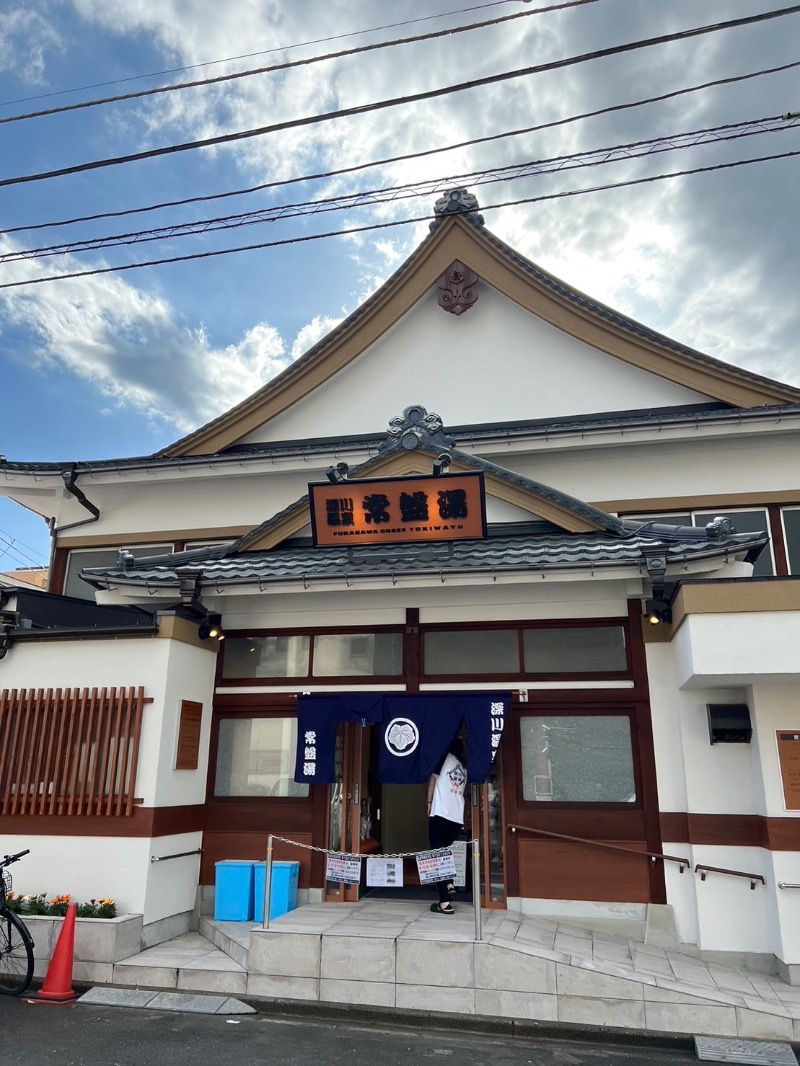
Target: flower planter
(99, 943)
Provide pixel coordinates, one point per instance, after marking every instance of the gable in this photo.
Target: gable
(410, 294)
(498, 363)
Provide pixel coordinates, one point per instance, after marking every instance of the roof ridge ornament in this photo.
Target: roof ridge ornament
(414, 428)
(458, 201)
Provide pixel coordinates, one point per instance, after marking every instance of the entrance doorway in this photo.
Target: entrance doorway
(372, 819)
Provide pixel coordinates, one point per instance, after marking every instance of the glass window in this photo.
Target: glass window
(79, 559)
(256, 756)
(583, 650)
(791, 536)
(365, 654)
(276, 656)
(577, 759)
(483, 651)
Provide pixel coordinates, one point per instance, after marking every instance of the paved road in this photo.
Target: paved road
(80, 1035)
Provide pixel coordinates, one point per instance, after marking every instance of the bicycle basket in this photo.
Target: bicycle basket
(6, 883)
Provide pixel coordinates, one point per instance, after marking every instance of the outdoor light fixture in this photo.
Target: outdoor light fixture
(211, 628)
(338, 473)
(658, 612)
(441, 465)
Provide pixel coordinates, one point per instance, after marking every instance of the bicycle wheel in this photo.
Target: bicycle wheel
(16, 956)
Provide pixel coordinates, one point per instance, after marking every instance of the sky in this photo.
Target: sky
(122, 363)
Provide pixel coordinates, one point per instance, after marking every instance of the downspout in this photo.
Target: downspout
(70, 477)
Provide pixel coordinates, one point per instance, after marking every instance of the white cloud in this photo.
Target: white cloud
(702, 258)
(130, 346)
(26, 38)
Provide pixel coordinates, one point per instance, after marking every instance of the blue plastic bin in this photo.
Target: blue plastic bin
(233, 891)
(283, 894)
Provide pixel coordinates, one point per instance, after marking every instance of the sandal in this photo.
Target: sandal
(451, 891)
(442, 908)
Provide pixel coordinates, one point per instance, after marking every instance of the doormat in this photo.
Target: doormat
(758, 1052)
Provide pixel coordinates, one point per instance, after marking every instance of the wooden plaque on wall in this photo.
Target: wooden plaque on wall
(188, 753)
(789, 759)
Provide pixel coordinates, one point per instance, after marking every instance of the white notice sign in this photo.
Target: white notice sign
(343, 869)
(436, 866)
(384, 873)
(459, 850)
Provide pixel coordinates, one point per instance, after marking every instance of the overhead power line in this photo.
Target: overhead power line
(12, 547)
(401, 158)
(290, 64)
(395, 101)
(264, 52)
(512, 171)
(371, 227)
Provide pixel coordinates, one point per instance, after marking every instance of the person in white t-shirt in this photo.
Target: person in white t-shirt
(446, 813)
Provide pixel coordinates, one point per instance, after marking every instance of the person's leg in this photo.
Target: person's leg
(441, 834)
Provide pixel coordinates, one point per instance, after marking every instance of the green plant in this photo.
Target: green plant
(36, 904)
(14, 903)
(57, 906)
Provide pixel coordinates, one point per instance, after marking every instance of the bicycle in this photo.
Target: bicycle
(16, 945)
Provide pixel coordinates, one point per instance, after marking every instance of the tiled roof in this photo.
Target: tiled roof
(527, 552)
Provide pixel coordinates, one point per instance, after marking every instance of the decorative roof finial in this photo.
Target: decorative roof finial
(456, 202)
(414, 428)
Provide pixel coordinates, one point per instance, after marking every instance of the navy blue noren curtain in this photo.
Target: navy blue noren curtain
(416, 729)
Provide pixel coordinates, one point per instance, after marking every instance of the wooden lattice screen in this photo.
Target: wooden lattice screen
(69, 751)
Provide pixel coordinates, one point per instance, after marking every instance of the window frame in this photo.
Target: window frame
(610, 710)
(245, 714)
(310, 678)
(521, 627)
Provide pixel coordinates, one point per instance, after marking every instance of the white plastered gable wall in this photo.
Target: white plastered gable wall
(497, 362)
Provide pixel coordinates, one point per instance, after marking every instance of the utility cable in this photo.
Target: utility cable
(401, 158)
(290, 64)
(362, 109)
(512, 171)
(395, 224)
(253, 55)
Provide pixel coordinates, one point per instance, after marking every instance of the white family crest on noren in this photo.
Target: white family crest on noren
(401, 736)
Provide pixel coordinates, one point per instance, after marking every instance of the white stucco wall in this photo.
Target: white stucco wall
(733, 649)
(723, 913)
(497, 362)
(110, 866)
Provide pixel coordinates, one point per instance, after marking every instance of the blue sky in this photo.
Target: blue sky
(121, 364)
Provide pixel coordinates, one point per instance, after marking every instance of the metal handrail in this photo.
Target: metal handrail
(787, 884)
(177, 855)
(654, 856)
(753, 878)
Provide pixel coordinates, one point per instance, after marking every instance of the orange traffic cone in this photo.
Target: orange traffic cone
(57, 987)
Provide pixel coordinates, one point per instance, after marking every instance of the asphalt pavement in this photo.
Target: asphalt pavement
(84, 1035)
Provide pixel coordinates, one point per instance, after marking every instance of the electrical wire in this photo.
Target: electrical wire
(402, 158)
(372, 227)
(395, 101)
(253, 55)
(511, 171)
(291, 64)
(9, 544)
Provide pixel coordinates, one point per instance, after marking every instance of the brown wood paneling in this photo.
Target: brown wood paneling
(218, 846)
(143, 822)
(557, 869)
(169, 821)
(732, 830)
